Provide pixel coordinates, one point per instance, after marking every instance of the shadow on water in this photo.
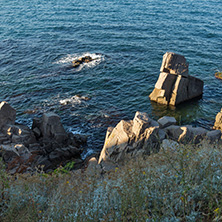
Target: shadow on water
(184, 113)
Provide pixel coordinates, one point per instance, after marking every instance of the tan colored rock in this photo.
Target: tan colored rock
(174, 64)
(116, 141)
(218, 121)
(130, 139)
(163, 88)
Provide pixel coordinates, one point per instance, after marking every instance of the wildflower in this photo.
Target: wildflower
(144, 172)
(40, 211)
(80, 191)
(116, 169)
(216, 211)
(67, 182)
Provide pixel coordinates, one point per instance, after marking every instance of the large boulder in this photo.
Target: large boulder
(130, 138)
(186, 134)
(7, 114)
(174, 85)
(50, 127)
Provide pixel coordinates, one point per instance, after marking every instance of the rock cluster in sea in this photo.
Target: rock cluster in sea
(47, 145)
(174, 84)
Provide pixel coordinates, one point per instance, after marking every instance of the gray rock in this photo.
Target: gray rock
(93, 168)
(213, 136)
(140, 123)
(8, 152)
(174, 64)
(166, 121)
(170, 145)
(7, 114)
(173, 132)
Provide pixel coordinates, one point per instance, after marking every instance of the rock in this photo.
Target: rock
(185, 134)
(8, 152)
(93, 168)
(166, 121)
(130, 139)
(173, 132)
(218, 121)
(162, 135)
(174, 85)
(140, 123)
(117, 140)
(186, 89)
(213, 136)
(86, 59)
(7, 114)
(170, 145)
(19, 134)
(174, 64)
(50, 127)
(163, 88)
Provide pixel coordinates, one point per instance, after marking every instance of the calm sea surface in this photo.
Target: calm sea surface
(39, 39)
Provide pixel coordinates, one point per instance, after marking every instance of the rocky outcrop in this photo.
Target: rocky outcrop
(174, 84)
(46, 145)
(143, 136)
(218, 121)
(131, 138)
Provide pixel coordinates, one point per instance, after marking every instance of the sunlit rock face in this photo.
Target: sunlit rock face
(131, 138)
(218, 121)
(174, 84)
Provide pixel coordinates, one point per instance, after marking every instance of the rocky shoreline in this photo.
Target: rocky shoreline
(46, 145)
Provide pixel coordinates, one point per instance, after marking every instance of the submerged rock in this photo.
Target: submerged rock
(174, 85)
(77, 62)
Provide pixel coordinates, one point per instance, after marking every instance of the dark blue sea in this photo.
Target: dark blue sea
(39, 39)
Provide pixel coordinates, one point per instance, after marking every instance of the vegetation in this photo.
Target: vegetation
(180, 183)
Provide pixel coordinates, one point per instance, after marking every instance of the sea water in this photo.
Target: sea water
(127, 39)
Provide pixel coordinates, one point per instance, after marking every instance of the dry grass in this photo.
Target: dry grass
(183, 183)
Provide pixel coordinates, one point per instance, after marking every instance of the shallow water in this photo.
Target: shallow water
(39, 39)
